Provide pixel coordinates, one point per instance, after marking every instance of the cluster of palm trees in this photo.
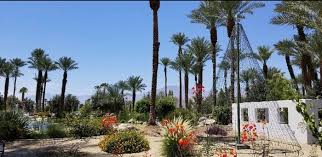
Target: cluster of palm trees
(40, 61)
(116, 92)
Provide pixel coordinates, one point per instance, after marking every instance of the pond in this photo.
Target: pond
(38, 123)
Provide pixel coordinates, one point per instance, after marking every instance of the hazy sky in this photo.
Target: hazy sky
(113, 40)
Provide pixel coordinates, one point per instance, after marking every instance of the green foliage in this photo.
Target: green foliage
(36, 135)
(56, 131)
(143, 106)
(280, 89)
(13, 125)
(71, 103)
(223, 114)
(84, 126)
(165, 106)
(85, 109)
(124, 142)
(186, 114)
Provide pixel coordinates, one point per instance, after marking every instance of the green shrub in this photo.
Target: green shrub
(223, 115)
(13, 125)
(140, 116)
(36, 135)
(124, 142)
(143, 106)
(165, 106)
(85, 109)
(186, 114)
(84, 127)
(56, 131)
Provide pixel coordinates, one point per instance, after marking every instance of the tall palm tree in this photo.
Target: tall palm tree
(7, 71)
(66, 64)
(286, 48)
(264, 53)
(246, 76)
(165, 62)
(154, 5)
(135, 83)
(36, 62)
(200, 48)
(194, 70)
(48, 65)
(23, 91)
(180, 39)
(315, 47)
(123, 86)
(18, 63)
(225, 66)
(295, 18)
(209, 15)
(186, 62)
(104, 86)
(233, 11)
(176, 66)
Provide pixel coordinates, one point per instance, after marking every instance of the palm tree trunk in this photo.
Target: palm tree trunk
(291, 71)
(186, 88)
(199, 92)
(44, 91)
(180, 80)
(14, 86)
(62, 96)
(22, 96)
(247, 88)
(213, 37)
(321, 73)
(6, 88)
(225, 83)
(230, 27)
(154, 4)
(265, 70)
(133, 99)
(165, 81)
(38, 90)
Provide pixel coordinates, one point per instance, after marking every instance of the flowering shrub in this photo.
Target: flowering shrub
(249, 133)
(178, 138)
(124, 142)
(108, 122)
(198, 89)
(223, 150)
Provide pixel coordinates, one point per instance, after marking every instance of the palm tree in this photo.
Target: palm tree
(7, 70)
(18, 63)
(264, 53)
(104, 86)
(246, 76)
(48, 65)
(36, 62)
(209, 15)
(154, 5)
(135, 83)
(165, 62)
(200, 48)
(289, 16)
(123, 86)
(194, 70)
(315, 47)
(180, 39)
(186, 62)
(66, 64)
(285, 48)
(231, 12)
(23, 91)
(225, 66)
(176, 66)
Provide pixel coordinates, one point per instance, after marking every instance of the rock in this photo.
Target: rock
(202, 119)
(144, 123)
(131, 120)
(210, 122)
(126, 127)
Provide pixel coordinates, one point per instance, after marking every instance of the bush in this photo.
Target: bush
(190, 115)
(56, 131)
(36, 135)
(124, 142)
(165, 106)
(222, 114)
(84, 127)
(178, 138)
(143, 106)
(13, 125)
(85, 109)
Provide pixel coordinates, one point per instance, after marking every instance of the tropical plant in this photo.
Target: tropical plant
(48, 65)
(66, 64)
(225, 66)
(23, 91)
(246, 76)
(36, 62)
(18, 63)
(154, 5)
(165, 106)
(123, 86)
(56, 131)
(209, 14)
(7, 70)
(71, 103)
(13, 125)
(200, 48)
(180, 39)
(165, 62)
(143, 106)
(135, 84)
(264, 53)
(315, 48)
(280, 89)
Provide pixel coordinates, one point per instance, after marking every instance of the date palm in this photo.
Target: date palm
(286, 48)
(186, 62)
(315, 48)
(264, 53)
(200, 48)
(287, 15)
(209, 15)
(66, 64)
(154, 5)
(225, 66)
(123, 86)
(7, 70)
(18, 63)
(176, 66)
(180, 39)
(23, 91)
(246, 76)
(36, 62)
(135, 84)
(232, 12)
(48, 65)
(165, 62)
(104, 86)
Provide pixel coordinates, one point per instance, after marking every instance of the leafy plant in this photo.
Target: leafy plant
(56, 131)
(165, 106)
(84, 127)
(190, 115)
(124, 142)
(143, 106)
(13, 125)
(280, 88)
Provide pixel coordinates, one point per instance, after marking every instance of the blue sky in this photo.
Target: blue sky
(113, 40)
